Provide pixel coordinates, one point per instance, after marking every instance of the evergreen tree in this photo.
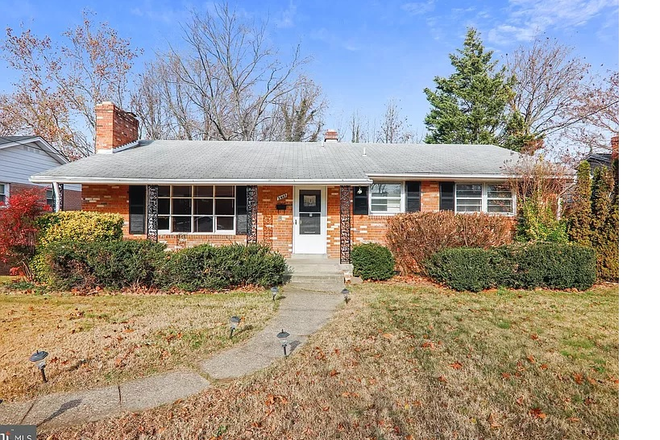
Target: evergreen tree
(605, 224)
(469, 107)
(579, 219)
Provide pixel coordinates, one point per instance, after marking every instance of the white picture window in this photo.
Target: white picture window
(499, 199)
(469, 197)
(386, 198)
(197, 209)
(4, 192)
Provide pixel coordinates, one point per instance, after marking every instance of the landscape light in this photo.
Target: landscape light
(273, 291)
(346, 292)
(282, 337)
(233, 322)
(39, 360)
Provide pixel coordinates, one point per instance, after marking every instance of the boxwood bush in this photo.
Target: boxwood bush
(540, 265)
(106, 264)
(372, 261)
(86, 226)
(208, 267)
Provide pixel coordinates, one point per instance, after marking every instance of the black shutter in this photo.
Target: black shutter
(360, 200)
(447, 196)
(413, 193)
(137, 209)
(241, 210)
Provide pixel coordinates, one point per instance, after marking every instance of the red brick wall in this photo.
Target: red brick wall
(114, 127)
(275, 228)
(107, 198)
(333, 223)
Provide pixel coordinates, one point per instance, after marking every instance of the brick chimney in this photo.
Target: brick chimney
(115, 128)
(331, 135)
(615, 146)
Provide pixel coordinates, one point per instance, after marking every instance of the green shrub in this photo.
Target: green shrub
(84, 226)
(462, 268)
(530, 266)
(105, 264)
(208, 267)
(372, 261)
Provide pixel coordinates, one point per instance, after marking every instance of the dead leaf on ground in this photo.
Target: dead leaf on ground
(493, 421)
(578, 378)
(537, 413)
(456, 365)
(520, 399)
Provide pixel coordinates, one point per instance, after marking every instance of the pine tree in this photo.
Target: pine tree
(469, 107)
(579, 219)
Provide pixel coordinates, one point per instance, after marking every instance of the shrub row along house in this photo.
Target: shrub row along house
(299, 198)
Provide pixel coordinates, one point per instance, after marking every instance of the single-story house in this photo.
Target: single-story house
(23, 156)
(299, 198)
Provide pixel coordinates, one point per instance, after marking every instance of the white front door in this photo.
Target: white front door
(309, 220)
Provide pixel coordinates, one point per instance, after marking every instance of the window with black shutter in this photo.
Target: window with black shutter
(241, 210)
(137, 209)
(413, 196)
(447, 196)
(360, 200)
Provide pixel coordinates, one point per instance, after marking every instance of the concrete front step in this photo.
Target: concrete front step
(315, 272)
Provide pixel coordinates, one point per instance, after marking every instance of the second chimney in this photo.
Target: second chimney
(331, 136)
(115, 128)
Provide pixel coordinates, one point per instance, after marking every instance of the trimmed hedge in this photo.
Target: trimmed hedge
(68, 226)
(208, 267)
(372, 261)
(143, 263)
(106, 264)
(544, 265)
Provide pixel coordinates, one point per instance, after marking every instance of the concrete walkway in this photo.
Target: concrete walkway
(301, 313)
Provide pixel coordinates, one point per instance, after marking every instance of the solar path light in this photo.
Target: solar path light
(273, 291)
(282, 337)
(39, 360)
(346, 292)
(233, 323)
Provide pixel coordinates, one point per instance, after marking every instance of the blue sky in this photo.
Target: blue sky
(362, 53)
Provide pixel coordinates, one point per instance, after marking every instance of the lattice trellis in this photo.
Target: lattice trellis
(152, 212)
(345, 224)
(252, 214)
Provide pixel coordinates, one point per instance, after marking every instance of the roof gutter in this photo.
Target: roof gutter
(453, 177)
(134, 181)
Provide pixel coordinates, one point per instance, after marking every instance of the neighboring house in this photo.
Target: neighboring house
(300, 198)
(23, 156)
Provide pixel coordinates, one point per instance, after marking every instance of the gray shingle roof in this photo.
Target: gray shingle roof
(183, 161)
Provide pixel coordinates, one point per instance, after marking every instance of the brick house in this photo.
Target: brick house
(299, 198)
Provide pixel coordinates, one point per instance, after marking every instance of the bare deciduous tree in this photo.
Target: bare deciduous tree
(60, 83)
(300, 113)
(546, 79)
(394, 129)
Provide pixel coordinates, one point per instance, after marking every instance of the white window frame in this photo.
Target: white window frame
(192, 215)
(4, 193)
(402, 208)
(483, 198)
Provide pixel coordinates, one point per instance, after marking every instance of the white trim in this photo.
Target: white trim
(41, 143)
(402, 198)
(452, 177)
(6, 191)
(295, 224)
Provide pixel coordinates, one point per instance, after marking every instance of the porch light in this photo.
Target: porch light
(39, 360)
(233, 323)
(359, 191)
(346, 292)
(273, 291)
(282, 337)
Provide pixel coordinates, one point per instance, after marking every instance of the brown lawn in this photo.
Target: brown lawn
(417, 362)
(102, 339)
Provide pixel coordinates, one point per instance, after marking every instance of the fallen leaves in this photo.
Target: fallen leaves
(537, 413)
(456, 365)
(273, 399)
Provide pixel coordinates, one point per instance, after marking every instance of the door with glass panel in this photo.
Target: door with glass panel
(309, 221)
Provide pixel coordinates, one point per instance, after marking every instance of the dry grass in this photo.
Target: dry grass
(103, 339)
(417, 362)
